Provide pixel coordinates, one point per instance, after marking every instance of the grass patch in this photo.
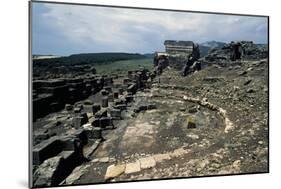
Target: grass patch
(123, 66)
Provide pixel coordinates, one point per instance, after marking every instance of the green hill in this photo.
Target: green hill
(88, 58)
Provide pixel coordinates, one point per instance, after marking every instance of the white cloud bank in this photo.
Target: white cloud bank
(135, 30)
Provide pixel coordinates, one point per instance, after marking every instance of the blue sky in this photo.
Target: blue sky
(61, 29)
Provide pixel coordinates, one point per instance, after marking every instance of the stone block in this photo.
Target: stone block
(96, 108)
(82, 135)
(96, 122)
(104, 101)
(85, 117)
(72, 144)
(110, 97)
(105, 121)
(101, 113)
(129, 98)
(46, 149)
(116, 95)
(78, 121)
(96, 133)
(120, 90)
(115, 113)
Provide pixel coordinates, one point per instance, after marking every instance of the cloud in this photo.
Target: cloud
(99, 29)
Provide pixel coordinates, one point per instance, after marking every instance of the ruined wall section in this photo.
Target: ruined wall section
(179, 51)
(51, 95)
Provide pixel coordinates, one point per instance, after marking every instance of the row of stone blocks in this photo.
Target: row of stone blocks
(52, 95)
(101, 120)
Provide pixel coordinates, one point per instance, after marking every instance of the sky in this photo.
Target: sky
(62, 29)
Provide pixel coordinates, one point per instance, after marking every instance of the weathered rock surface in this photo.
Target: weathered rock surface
(114, 171)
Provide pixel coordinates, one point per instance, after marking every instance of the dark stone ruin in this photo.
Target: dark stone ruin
(53, 95)
(87, 106)
(181, 55)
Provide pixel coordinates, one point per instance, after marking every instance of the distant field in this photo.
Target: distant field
(122, 67)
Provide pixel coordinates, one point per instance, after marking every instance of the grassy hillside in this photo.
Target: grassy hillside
(122, 67)
(89, 58)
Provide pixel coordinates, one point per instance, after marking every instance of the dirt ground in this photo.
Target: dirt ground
(227, 103)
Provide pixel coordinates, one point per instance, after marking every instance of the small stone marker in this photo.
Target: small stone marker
(104, 101)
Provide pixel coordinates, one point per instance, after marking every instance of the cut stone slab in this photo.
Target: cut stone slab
(147, 162)
(114, 171)
(161, 157)
(95, 160)
(133, 167)
(104, 160)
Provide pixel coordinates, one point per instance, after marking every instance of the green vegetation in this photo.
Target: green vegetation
(122, 67)
(88, 58)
